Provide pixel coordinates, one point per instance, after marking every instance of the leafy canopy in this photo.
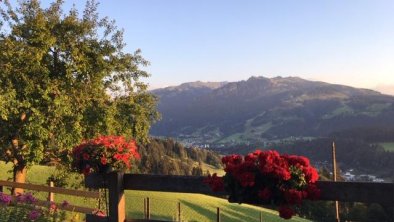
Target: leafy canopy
(65, 77)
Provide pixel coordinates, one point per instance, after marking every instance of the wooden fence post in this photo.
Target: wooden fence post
(51, 196)
(147, 208)
(218, 214)
(144, 208)
(117, 211)
(179, 211)
(334, 175)
(1, 189)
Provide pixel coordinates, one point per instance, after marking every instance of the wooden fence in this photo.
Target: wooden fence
(51, 191)
(367, 192)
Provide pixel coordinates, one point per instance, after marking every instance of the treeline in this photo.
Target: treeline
(368, 134)
(168, 157)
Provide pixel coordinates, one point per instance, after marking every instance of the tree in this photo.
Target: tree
(65, 77)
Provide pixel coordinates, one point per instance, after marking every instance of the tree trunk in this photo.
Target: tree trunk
(19, 177)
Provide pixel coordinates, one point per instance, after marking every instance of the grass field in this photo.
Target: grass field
(388, 146)
(194, 207)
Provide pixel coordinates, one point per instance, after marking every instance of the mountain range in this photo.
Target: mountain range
(267, 109)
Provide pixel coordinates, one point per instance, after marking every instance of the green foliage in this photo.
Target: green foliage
(65, 77)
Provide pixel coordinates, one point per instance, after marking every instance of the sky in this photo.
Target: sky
(348, 42)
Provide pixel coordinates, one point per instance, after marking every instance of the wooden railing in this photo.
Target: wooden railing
(52, 190)
(367, 192)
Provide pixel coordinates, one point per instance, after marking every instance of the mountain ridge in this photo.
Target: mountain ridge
(261, 108)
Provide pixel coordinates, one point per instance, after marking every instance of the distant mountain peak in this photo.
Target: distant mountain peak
(192, 85)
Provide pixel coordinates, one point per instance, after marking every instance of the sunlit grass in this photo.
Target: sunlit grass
(388, 146)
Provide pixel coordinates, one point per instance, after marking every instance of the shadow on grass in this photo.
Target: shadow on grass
(199, 210)
(255, 213)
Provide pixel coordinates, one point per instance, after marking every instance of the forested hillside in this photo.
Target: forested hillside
(166, 156)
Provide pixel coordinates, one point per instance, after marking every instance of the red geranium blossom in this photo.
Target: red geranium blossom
(85, 156)
(103, 160)
(286, 212)
(265, 194)
(215, 182)
(268, 177)
(97, 154)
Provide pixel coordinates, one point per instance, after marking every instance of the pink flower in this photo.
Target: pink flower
(99, 213)
(34, 215)
(20, 198)
(5, 199)
(29, 198)
(52, 206)
(65, 203)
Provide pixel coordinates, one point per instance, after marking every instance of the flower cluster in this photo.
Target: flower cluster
(24, 206)
(104, 152)
(266, 177)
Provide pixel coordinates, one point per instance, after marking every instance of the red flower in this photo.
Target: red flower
(86, 171)
(85, 156)
(313, 193)
(103, 160)
(104, 150)
(215, 182)
(247, 179)
(265, 194)
(286, 178)
(311, 174)
(118, 156)
(286, 212)
(293, 196)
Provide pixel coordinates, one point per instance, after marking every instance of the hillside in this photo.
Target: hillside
(266, 109)
(168, 157)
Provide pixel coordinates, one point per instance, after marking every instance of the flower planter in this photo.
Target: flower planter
(104, 154)
(96, 181)
(266, 177)
(95, 218)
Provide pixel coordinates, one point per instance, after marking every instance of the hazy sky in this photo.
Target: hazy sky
(345, 41)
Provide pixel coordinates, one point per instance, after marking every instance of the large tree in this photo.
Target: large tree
(65, 77)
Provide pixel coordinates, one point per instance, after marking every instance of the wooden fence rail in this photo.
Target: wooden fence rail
(51, 190)
(367, 192)
(44, 188)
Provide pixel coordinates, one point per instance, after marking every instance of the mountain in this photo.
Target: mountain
(266, 109)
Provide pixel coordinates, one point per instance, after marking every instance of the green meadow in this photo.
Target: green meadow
(388, 146)
(163, 205)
